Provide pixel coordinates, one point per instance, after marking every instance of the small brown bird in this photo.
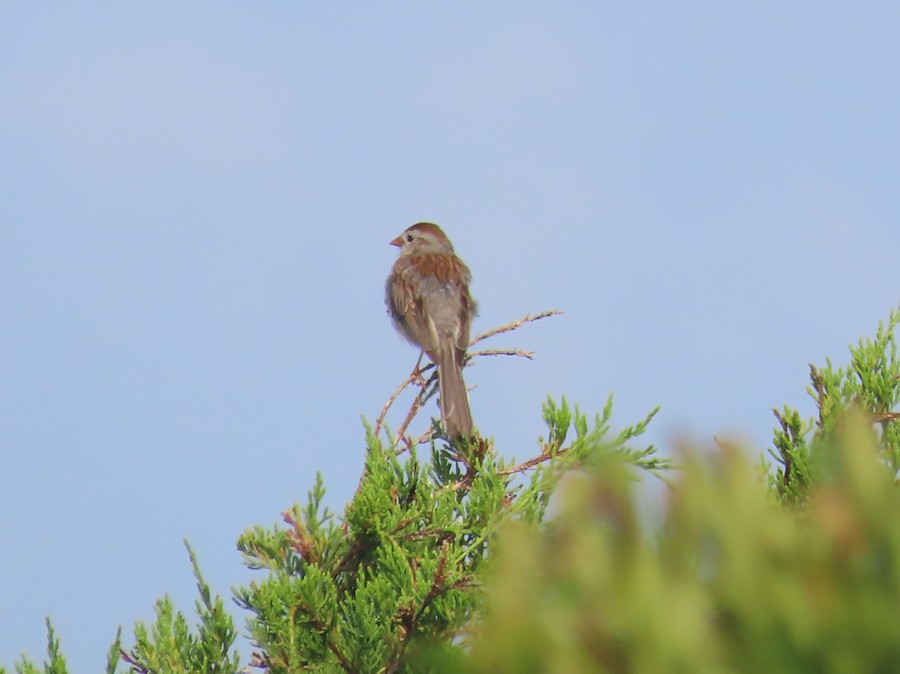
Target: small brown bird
(427, 296)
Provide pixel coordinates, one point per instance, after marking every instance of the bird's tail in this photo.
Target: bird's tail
(455, 413)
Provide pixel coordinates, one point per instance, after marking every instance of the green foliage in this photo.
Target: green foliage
(731, 582)
(171, 646)
(55, 663)
(400, 573)
(871, 383)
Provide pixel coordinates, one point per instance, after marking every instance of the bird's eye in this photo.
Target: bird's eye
(409, 238)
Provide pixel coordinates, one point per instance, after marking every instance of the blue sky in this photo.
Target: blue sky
(197, 198)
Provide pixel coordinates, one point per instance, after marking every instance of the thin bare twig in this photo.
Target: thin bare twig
(390, 401)
(545, 455)
(414, 376)
(501, 352)
(425, 437)
(427, 386)
(514, 325)
(426, 390)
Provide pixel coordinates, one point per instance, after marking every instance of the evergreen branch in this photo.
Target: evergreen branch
(818, 382)
(410, 619)
(301, 542)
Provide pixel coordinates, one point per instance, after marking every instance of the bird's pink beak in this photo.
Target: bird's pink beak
(398, 241)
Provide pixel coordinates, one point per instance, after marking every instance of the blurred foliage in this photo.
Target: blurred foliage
(731, 582)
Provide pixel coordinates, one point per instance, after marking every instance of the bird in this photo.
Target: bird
(427, 296)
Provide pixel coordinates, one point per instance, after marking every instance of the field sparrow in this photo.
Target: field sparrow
(427, 296)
